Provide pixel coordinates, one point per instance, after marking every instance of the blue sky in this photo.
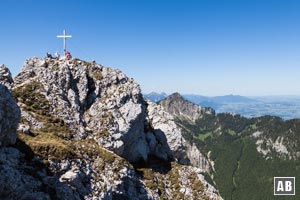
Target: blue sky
(207, 47)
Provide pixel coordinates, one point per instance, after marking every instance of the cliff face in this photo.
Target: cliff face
(9, 117)
(88, 133)
(181, 109)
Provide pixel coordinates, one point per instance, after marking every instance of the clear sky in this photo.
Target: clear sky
(207, 47)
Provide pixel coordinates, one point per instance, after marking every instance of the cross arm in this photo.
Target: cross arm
(64, 36)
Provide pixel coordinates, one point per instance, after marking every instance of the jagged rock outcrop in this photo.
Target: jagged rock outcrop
(178, 106)
(104, 176)
(5, 76)
(280, 146)
(9, 117)
(89, 134)
(103, 104)
(164, 126)
(92, 100)
(197, 158)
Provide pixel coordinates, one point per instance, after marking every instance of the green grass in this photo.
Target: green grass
(202, 137)
(231, 132)
(48, 146)
(253, 126)
(50, 141)
(97, 75)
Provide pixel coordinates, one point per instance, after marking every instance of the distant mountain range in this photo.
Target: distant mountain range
(287, 107)
(199, 99)
(155, 97)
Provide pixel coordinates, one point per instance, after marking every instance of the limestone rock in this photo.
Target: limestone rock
(176, 106)
(5, 76)
(94, 101)
(171, 139)
(9, 117)
(104, 104)
(171, 143)
(197, 158)
(15, 183)
(90, 123)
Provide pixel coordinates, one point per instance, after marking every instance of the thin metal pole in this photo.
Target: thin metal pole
(64, 38)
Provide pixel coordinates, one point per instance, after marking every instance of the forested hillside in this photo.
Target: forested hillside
(245, 153)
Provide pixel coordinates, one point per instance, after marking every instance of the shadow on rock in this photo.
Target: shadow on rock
(154, 163)
(26, 176)
(130, 187)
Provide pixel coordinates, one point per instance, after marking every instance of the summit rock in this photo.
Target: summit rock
(88, 133)
(91, 100)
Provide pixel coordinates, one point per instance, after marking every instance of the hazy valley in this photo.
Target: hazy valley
(286, 107)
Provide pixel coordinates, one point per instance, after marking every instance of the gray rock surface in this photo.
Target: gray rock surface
(104, 104)
(110, 126)
(5, 76)
(171, 144)
(197, 158)
(9, 117)
(280, 146)
(165, 127)
(94, 101)
(182, 109)
(18, 180)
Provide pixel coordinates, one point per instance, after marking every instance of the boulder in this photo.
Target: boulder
(9, 117)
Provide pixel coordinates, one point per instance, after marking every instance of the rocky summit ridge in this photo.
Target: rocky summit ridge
(176, 105)
(86, 132)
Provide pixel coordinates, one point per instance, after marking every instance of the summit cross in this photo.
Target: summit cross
(64, 36)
